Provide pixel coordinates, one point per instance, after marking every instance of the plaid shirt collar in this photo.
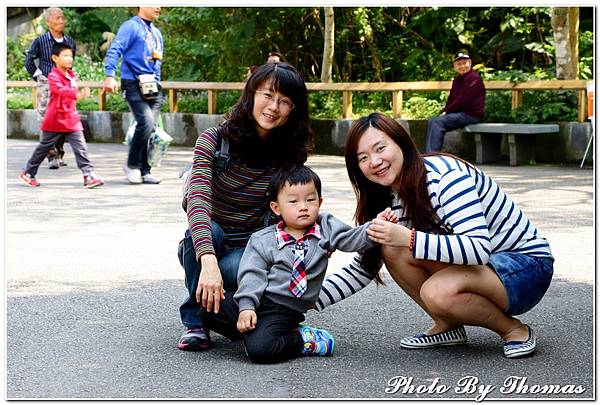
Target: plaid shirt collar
(283, 238)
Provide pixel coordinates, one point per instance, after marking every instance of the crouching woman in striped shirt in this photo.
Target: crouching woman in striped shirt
(454, 242)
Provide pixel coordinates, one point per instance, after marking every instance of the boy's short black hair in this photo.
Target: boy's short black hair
(59, 47)
(292, 174)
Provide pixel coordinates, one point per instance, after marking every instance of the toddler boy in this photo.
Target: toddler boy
(281, 273)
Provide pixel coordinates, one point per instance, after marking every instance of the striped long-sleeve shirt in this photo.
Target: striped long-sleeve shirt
(235, 198)
(41, 49)
(483, 218)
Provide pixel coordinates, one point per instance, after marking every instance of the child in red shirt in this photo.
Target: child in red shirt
(62, 119)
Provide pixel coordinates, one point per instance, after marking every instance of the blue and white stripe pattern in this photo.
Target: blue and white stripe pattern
(451, 337)
(41, 49)
(343, 283)
(515, 349)
(483, 218)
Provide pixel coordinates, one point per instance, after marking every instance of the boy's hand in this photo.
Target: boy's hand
(246, 320)
(84, 93)
(388, 215)
(388, 233)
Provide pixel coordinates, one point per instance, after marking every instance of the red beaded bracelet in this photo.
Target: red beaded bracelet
(412, 239)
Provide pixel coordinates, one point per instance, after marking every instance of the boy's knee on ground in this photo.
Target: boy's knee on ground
(259, 352)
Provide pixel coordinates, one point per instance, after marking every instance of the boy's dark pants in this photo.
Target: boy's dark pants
(77, 142)
(274, 338)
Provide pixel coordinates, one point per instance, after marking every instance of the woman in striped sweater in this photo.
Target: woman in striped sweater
(267, 127)
(454, 242)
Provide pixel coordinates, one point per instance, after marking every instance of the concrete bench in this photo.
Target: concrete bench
(521, 140)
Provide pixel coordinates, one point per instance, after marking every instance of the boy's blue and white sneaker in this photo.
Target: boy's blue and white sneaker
(316, 342)
(514, 349)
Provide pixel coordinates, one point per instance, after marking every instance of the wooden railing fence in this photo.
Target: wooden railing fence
(348, 89)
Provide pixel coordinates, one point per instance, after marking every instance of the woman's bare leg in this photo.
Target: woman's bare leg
(472, 295)
(410, 277)
(454, 295)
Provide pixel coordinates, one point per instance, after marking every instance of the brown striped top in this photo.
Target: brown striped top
(235, 198)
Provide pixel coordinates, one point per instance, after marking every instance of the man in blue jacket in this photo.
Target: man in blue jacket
(465, 104)
(140, 44)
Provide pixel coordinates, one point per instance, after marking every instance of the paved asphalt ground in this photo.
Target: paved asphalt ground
(93, 287)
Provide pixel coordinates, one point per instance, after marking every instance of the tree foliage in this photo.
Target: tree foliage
(371, 44)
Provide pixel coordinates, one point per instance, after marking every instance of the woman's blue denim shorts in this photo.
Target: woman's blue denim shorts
(525, 278)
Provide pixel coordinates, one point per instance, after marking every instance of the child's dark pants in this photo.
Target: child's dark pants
(274, 338)
(77, 142)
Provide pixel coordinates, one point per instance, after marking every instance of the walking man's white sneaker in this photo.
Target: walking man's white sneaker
(134, 176)
(150, 179)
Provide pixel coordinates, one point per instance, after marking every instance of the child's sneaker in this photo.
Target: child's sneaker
(29, 179)
(91, 182)
(316, 342)
(53, 164)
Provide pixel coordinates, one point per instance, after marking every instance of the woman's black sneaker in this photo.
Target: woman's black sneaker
(194, 339)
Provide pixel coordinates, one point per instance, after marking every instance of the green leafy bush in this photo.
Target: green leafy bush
(325, 104)
(419, 107)
(19, 99)
(546, 106)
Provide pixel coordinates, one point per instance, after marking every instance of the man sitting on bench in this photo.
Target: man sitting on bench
(464, 106)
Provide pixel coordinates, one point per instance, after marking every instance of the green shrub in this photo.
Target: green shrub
(419, 107)
(116, 102)
(546, 106)
(19, 102)
(325, 104)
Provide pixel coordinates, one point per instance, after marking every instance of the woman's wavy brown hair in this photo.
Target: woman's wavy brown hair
(373, 198)
(290, 143)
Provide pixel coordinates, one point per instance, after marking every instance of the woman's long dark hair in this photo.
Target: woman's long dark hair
(373, 198)
(289, 143)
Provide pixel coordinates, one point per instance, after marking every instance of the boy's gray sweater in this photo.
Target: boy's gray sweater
(267, 270)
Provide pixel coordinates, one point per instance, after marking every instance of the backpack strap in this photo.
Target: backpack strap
(220, 162)
(222, 156)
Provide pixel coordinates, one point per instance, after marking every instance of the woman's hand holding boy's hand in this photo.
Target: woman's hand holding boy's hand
(246, 320)
(388, 215)
(388, 233)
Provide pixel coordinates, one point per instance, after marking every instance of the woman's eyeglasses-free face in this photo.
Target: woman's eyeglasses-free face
(284, 104)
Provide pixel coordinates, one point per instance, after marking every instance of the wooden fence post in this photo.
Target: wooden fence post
(397, 103)
(172, 100)
(346, 104)
(581, 106)
(101, 100)
(212, 101)
(34, 94)
(517, 99)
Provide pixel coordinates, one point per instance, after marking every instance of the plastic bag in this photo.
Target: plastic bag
(157, 146)
(158, 142)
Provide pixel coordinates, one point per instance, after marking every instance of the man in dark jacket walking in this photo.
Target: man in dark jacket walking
(465, 104)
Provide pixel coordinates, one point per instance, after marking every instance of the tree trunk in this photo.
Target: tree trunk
(565, 25)
(574, 39)
(328, 45)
